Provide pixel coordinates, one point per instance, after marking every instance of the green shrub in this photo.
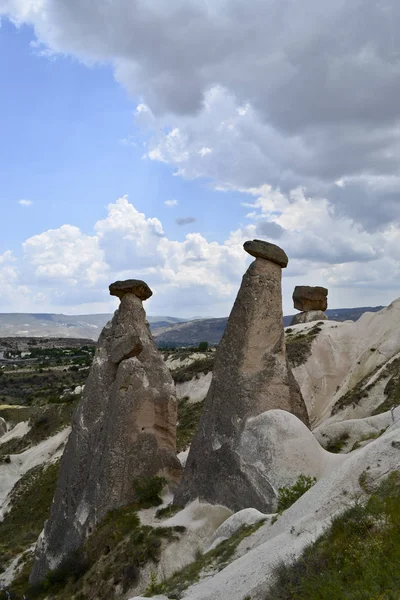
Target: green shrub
(148, 491)
(289, 495)
(357, 559)
(336, 445)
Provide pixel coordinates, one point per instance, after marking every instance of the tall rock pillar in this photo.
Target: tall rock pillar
(124, 429)
(251, 375)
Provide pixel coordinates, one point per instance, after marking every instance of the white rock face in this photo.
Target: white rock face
(196, 389)
(19, 431)
(356, 430)
(3, 427)
(247, 516)
(277, 447)
(252, 572)
(343, 354)
(46, 451)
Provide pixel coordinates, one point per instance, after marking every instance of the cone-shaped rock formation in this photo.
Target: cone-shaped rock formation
(123, 429)
(251, 375)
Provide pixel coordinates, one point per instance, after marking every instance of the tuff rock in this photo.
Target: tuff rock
(308, 317)
(137, 287)
(123, 430)
(266, 250)
(251, 375)
(307, 298)
(3, 427)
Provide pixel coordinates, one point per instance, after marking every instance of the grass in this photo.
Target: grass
(188, 420)
(367, 437)
(110, 562)
(337, 444)
(357, 559)
(289, 495)
(45, 422)
(298, 346)
(31, 499)
(214, 560)
(204, 365)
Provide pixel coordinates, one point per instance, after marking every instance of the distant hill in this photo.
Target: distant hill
(168, 331)
(66, 326)
(192, 333)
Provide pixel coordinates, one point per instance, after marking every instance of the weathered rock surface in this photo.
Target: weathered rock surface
(310, 298)
(251, 375)
(3, 427)
(268, 251)
(123, 429)
(308, 317)
(137, 287)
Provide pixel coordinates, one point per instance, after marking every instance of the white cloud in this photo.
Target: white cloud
(25, 202)
(66, 269)
(171, 203)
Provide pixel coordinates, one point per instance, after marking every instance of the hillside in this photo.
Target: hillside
(69, 326)
(168, 331)
(338, 484)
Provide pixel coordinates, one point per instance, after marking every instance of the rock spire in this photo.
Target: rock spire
(251, 375)
(123, 430)
(312, 301)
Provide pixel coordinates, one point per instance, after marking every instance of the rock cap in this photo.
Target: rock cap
(307, 298)
(268, 251)
(137, 287)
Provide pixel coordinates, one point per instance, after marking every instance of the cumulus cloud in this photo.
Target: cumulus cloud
(185, 220)
(304, 102)
(66, 268)
(25, 202)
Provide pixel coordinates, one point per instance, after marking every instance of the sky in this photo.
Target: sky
(150, 138)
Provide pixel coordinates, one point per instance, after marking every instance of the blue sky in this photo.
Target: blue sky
(72, 147)
(108, 114)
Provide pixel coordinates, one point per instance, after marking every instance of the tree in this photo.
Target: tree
(203, 346)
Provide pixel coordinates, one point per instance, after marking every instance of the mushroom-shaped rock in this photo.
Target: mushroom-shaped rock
(251, 375)
(268, 251)
(137, 287)
(123, 430)
(307, 298)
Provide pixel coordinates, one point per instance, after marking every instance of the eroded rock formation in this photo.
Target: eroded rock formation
(251, 375)
(124, 429)
(312, 302)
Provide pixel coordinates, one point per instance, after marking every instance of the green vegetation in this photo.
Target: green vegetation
(289, 495)
(148, 491)
(357, 559)
(45, 422)
(336, 445)
(204, 365)
(365, 438)
(203, 347)
(214, 560)
(30, 504)
(298, 346)
(110, 561)
(168, 511)
(41, 387)
(188, 421)
(392, 389)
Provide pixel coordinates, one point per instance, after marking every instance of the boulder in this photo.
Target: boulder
(251, 375)
(122, 431)
(137, 287)
(308, 317)
(268, 251)
(310, 298)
